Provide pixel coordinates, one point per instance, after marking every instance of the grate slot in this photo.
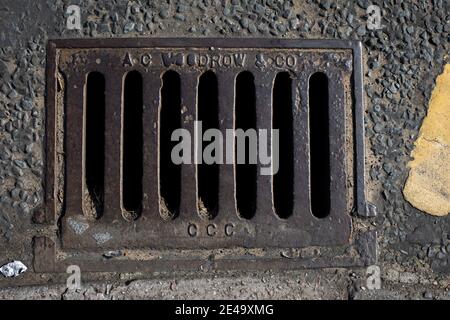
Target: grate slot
(94, 144)
(319, 144)
(207, 169)
(169, 120)
(132, 145)
(245, 119)
(282, 109)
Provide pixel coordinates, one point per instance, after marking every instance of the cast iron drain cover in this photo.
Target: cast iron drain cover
(112, 210)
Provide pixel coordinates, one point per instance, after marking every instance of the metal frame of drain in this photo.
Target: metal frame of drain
(227, 242)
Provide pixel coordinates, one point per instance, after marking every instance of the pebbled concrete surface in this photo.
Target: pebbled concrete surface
(402, 61)
(314, 285)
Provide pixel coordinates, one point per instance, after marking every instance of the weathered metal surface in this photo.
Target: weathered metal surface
(187, 240)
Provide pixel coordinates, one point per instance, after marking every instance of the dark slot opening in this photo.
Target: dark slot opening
(319, 145)
(94, 161)
(208, 174)
(283, 180)
(132, 156)
(245, 118)
(169, 119)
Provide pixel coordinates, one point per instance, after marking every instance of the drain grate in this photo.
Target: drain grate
(113, 191)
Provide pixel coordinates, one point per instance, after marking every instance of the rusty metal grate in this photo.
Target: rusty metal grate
(117, 203)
